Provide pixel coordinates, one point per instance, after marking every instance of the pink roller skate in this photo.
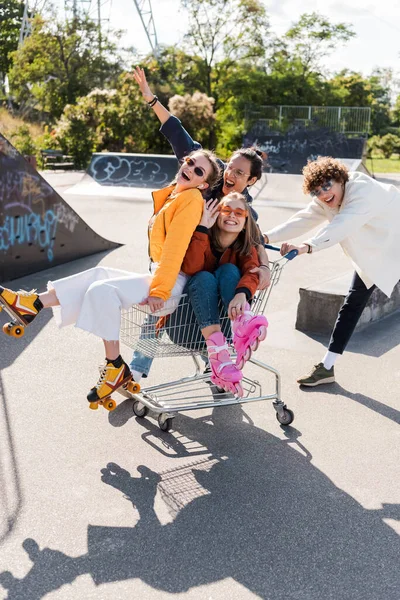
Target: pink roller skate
(248, 331)
(225, 374)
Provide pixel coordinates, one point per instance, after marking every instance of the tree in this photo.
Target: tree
(313, 38)
(225, 32)
(60, 62)
(196, 113)
(11, 12)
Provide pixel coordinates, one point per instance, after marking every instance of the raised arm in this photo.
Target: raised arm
(171, 127)
(162, 113)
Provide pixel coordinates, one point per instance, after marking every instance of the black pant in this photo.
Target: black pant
(353, 305)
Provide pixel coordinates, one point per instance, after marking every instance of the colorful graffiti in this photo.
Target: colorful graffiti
(37, 226)
(29, 229)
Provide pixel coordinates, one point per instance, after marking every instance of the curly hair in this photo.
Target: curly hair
(319, 171)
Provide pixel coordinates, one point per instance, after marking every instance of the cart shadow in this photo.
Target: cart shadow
(255, 510)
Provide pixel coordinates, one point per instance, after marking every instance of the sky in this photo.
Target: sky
(377, 26)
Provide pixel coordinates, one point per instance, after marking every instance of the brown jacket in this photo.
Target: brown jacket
(200, 257)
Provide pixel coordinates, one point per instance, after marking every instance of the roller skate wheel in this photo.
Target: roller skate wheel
(1, 308)
(93, 405)
(17, 331)
(238, 390)
(255, 344)
(109, 404)
(6, 329)
(133, 387)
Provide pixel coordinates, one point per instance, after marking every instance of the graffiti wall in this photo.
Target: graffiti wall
(288, 153)
(133, 170)
(38, 229)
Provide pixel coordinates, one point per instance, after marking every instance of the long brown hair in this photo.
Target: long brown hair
(247, 239)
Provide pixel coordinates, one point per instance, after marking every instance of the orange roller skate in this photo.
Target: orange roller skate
(113, 375)
(22, 307)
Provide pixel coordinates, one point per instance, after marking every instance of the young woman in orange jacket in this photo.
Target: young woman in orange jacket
(92, 299)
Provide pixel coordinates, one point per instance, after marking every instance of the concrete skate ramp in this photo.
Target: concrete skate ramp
(133, 170)
(38, 229)
(289, 152)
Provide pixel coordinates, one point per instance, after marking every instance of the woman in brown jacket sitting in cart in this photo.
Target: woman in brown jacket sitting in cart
(220, 257)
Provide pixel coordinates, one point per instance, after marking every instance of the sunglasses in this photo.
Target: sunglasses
(324, 188)
(238, 212)
(198, 170)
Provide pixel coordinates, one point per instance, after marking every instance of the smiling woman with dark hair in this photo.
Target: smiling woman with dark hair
(364, 218)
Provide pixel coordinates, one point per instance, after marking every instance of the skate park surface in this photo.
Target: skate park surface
(229, 504)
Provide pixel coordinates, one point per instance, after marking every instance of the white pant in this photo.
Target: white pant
(93, 299)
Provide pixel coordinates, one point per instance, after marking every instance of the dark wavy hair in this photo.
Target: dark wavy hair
(255, 157)
(248, 238)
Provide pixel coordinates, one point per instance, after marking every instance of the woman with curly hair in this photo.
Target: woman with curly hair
(364, 218)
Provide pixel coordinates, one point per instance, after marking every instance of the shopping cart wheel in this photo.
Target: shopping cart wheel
(140, 409)
(164, 422)
(286, 417)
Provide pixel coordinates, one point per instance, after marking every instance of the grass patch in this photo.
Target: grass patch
(383, 165)
(9, 125)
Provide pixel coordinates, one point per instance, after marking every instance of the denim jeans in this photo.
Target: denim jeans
(140, 362)
(204, 290)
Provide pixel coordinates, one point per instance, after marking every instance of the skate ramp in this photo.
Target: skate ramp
(132, 170)
(38, 229)
(289, 152)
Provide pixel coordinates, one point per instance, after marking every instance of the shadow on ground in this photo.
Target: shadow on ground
(10, 486)
(376, 339)
(281, 529)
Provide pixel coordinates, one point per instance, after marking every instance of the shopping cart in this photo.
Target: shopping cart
(178, 335)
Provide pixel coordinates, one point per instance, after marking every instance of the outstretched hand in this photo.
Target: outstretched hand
(210, 213)
(144, 87)
(285, 248)
(153, 302)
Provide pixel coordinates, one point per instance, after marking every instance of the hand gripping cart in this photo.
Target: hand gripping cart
(178, 335)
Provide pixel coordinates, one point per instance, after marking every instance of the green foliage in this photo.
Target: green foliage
(225, 31)
(11, 12)
(313, 37)
(233, 61)
(22, 140)
(384, 146)
(59, 62)
(196, 113)
(114, 120)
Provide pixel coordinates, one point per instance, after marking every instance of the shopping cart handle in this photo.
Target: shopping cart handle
(289, 256)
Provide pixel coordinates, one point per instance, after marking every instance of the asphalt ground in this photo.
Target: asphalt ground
(229, 504)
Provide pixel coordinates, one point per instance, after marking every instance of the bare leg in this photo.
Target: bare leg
(209, 330)
(112, 349)
(49, 299)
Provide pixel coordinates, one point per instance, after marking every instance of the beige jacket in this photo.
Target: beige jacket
(367, 226)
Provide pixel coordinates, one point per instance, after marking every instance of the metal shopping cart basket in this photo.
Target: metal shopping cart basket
(178, 335)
